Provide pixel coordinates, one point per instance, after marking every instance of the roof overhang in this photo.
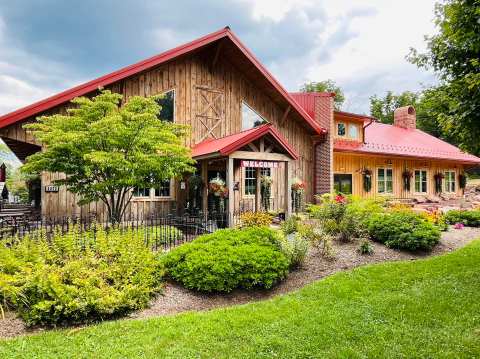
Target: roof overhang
(237, 53)
(225, 146)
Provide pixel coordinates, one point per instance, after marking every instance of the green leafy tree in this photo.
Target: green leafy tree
(382, 108)
(326, 86)
(106, 150)
(453, 53)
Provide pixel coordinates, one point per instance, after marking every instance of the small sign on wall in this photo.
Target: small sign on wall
(259, 164)
(51, 189)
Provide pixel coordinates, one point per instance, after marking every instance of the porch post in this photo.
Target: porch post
(257, 190)
(288, 189)
(205, 186)
(231, 203)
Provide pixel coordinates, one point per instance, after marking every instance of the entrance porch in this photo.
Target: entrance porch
(247, 171)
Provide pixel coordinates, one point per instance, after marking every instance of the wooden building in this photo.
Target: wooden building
(244, 124)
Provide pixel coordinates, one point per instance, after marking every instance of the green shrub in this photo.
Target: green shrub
(78, 277)
(290, 225)
(468, 218)
(366, 247)
(403, 230)
(295, 247)
(229, 259)
(317, 236)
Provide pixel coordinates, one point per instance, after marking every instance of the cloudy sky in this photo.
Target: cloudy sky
(50, 45)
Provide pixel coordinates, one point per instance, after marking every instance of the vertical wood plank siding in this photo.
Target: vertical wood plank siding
(349, 163)
(187, 76)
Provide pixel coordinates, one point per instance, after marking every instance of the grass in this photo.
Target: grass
(427, 308)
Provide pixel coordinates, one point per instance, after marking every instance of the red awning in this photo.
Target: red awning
(229, 144)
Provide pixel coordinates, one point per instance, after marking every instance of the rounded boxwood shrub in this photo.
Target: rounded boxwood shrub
(403, 230)
(78, 276)
(229, 259)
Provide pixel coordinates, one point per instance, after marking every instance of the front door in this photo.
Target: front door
(342, 183)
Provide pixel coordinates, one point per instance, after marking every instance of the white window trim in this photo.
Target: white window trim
(385, 180)
(174, 101)
(454, 180)
(154, 198)
(245, 195)
(414, 180)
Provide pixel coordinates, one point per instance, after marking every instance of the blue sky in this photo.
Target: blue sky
(50, 45)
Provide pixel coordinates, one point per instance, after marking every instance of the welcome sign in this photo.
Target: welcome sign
(259, 164)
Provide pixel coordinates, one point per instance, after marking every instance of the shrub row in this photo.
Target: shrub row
(78, 276)
(468, 218)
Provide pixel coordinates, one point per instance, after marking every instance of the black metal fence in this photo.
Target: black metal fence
(159, 232)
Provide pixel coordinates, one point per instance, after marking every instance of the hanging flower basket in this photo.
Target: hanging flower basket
(298, 191)
(438, 181)
(367, 179)
(217, 187)
(407, 176)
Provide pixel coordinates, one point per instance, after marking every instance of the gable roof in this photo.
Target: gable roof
(229, 144)
(225, 33)
(386, 139)
(307, 100)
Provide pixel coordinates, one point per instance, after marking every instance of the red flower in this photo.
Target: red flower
(340, 199)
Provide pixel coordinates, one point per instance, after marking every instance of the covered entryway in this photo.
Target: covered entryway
(234, 169)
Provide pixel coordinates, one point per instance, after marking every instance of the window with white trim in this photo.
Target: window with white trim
(250, 182)
(449, 181)
(385, 180)
(162, 190)
(167, 103)
(421, 181)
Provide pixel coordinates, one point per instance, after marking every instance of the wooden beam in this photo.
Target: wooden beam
(231, 194)
(257, 190)
(285, 114)
(262, 145)
(217, 55)
(269, 149)
(288, 190)
(260, 156)
(253, 147)
(205, 186)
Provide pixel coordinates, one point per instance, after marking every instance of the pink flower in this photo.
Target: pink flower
(458, 226)
(340, 199)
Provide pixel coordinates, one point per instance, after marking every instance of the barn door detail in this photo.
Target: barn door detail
(209, 113)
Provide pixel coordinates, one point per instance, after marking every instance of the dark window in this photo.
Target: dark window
(341, 129)
(167, 104)
(141, 192)
(250, 118)
(163, 190)
(342, 183)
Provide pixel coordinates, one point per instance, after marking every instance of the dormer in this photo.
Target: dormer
(349, 126)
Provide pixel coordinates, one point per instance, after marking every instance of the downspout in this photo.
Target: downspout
(364, 127)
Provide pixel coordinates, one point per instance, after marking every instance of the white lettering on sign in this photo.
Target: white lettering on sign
(261, 164)
(51, 188)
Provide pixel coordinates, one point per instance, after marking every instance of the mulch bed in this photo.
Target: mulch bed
(176, 299)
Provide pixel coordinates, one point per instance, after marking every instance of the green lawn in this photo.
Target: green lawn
(428, 308)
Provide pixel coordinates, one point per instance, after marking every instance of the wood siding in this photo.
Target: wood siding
(196, 84)
(350, 163)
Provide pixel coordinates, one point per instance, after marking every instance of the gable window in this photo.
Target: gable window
(449, 181)
(250, 118)
(167, 103)
(353, 131)
(341, 129)
(385, 180)
(161, 190)
(420, 181)
(251, 179)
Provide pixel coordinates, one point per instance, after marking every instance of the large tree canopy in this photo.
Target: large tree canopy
(382, 108)
(454, 54)
(105, 149)
(326, 86)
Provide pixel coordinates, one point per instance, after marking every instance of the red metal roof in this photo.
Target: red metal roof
(43, 105)
(307, 100)
(229, 144)
(392, 140)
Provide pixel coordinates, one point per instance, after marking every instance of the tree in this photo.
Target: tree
(326, 86)
(382, 108)
(106, 150)
(453, 53)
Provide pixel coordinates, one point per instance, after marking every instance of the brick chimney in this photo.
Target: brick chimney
(405, 117)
